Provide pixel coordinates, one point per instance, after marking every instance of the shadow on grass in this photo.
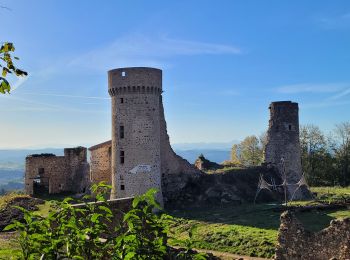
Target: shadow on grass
(264, 216)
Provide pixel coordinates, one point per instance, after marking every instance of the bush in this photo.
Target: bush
(70, 232)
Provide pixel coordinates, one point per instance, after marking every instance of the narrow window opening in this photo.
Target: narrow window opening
(122, 100)
(121, 131)
(41, 171)
(122, 187)
(290, 127)
(109, 151)
(121, 157)
(123, 73)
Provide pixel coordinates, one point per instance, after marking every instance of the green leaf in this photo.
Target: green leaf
(105, 209)
(95, 217)
(9, 227)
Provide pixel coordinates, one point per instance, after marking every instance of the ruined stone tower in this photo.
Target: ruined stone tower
(136, 163)
(283, 141)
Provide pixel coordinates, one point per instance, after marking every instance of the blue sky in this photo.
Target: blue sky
(223, 62)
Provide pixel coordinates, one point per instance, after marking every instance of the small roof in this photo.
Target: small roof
(97, 146)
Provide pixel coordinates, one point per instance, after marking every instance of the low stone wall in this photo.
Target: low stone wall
(118, 206)
(294, 242)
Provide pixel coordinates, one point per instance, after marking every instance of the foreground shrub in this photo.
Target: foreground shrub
(87, 232)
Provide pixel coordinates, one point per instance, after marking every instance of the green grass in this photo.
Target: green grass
(9, 248)
(250, 229)
(245, 229)
(332, 193)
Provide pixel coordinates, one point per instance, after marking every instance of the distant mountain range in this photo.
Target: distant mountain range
(213, 155)
(15, 158)
(217, 152)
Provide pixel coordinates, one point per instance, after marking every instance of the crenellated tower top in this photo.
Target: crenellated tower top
(134, 80)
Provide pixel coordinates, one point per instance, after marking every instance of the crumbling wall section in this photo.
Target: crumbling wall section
(47, 173)
(100, 163)
(78, 173)
(176, 171)
(294, 242)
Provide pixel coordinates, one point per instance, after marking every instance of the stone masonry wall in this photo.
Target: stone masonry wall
(78, 169)
(53, 177)
(100, 163)
(283, 142)
(294, 242)
(137, 106)
(57, 174)
(136, 163)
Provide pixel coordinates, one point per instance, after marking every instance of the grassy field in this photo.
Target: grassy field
(9, 248)
(244, 229)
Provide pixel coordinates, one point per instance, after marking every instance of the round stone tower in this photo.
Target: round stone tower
(283, 141)
(136, 162)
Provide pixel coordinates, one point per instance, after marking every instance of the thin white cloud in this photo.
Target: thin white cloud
(142, 50)
(340, 94)
(63, 95)
(312, 88)
(324, 103)
(340, 21)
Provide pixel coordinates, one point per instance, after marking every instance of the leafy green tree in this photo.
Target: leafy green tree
(235, 154)
(342, 151)
(317, 160)
(7, 66)
(249, 152)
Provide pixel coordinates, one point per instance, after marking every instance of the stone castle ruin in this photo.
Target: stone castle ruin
(141, 152)
(139, 155)
(295, 242)
(51, 174)
(101, 163)
(282, 150)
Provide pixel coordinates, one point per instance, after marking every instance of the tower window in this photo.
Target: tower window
(41, 171)
(121, 132)
(122, 100)
(121, 157)
(122, 187)
(123, 73)
(290, 127)
(109, 151)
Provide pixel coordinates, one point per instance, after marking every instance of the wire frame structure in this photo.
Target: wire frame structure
(263, 184)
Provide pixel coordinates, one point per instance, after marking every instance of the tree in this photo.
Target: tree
(235, 154)
(8, 67)
(317, 161)
(342, 150)
(249, 152)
